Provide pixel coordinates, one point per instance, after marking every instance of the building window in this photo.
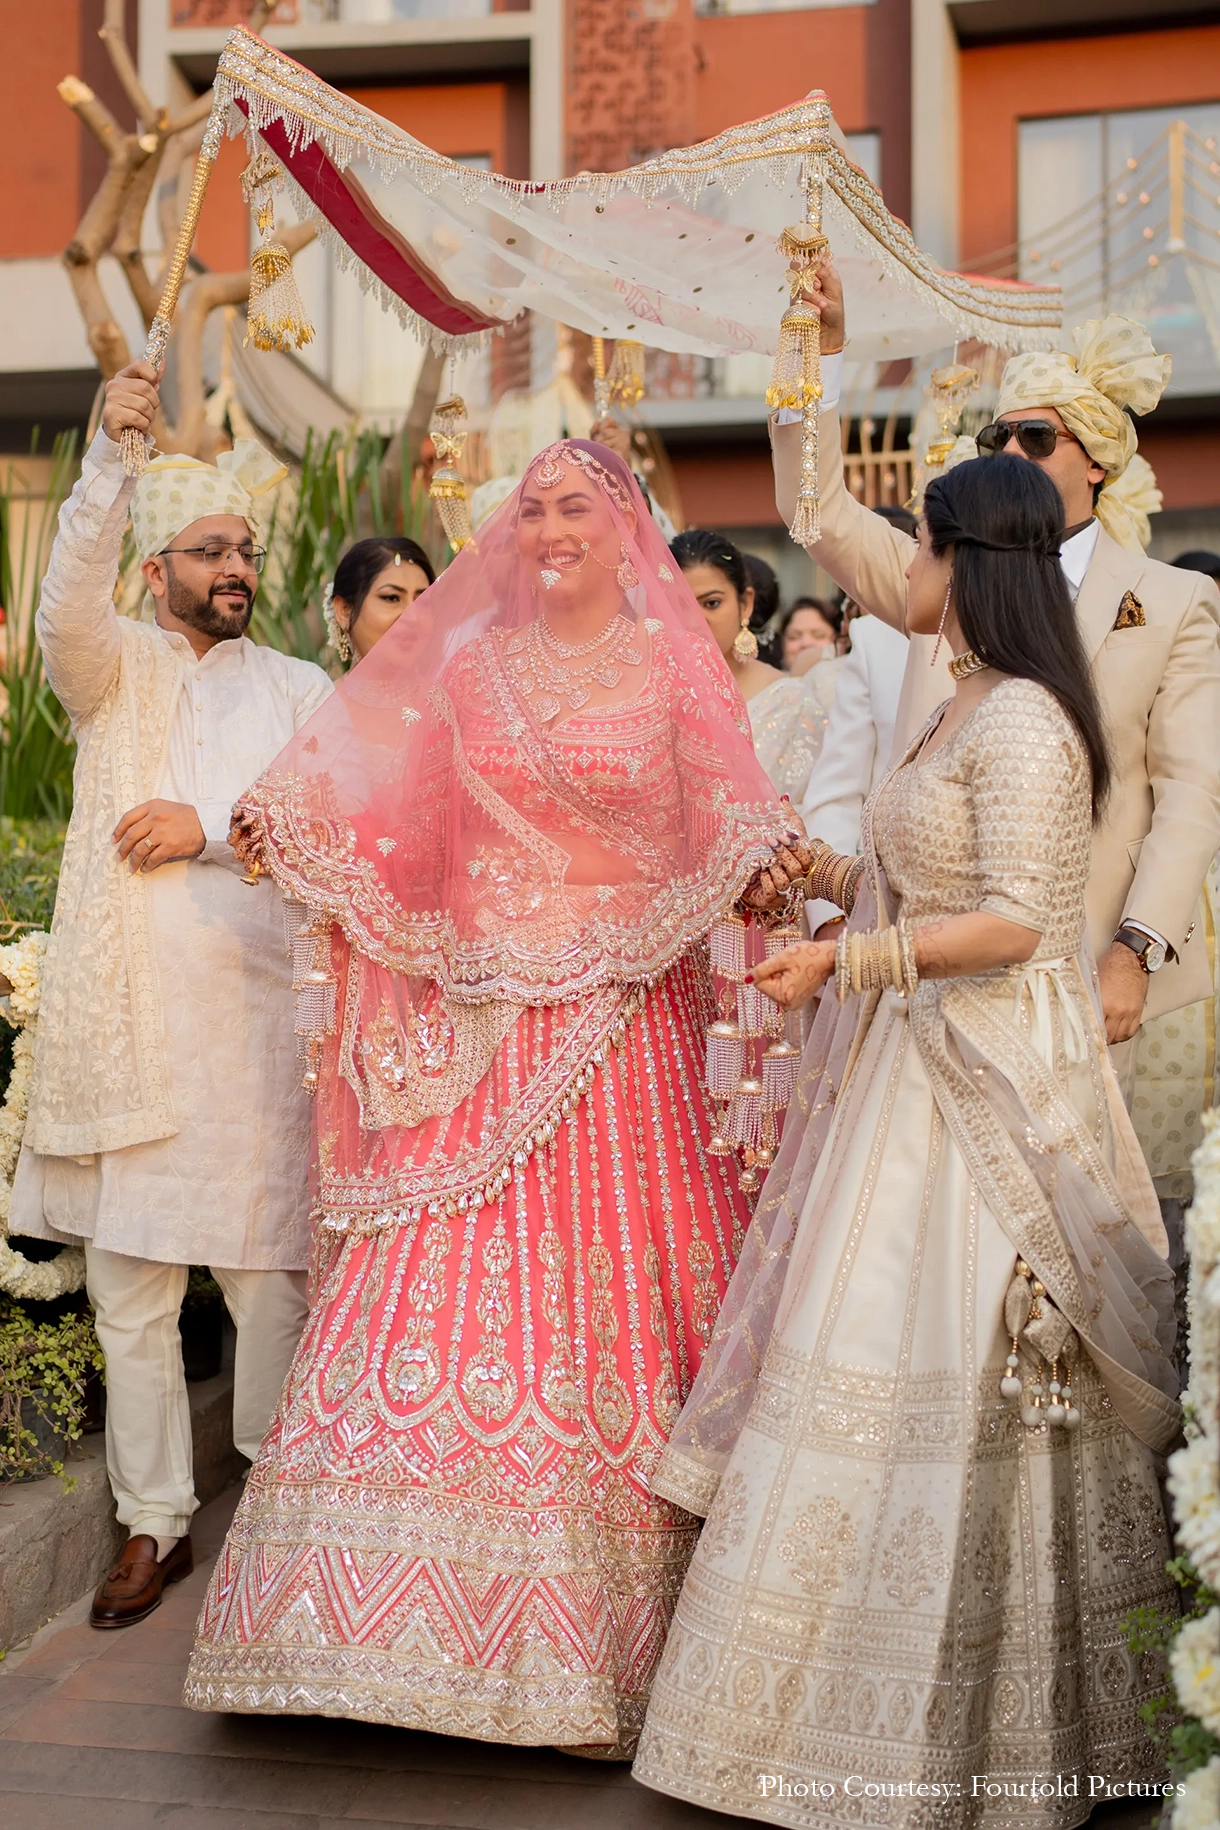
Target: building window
(1123, 211)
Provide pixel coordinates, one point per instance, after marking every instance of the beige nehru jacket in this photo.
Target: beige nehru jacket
(1160, 691)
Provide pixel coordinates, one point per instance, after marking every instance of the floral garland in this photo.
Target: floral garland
(21, 963)
(1194, 1481)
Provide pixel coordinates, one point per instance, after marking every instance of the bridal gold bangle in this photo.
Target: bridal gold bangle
(833, 877)
(882, 959)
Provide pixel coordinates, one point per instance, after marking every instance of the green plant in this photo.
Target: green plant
(1182, 1742)
(43, 1369)
(36, 747)
(202, 1290)
(347, 488)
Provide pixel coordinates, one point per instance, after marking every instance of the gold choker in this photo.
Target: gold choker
(963, 665)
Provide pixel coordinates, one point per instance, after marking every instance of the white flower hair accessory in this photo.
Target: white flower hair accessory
(336, 638)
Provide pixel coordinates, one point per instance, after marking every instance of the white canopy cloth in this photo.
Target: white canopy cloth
(679, 252)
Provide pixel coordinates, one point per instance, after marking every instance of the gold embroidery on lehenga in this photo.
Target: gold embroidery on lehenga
(705, 1305)
(665, 1404)
(611, 1400)
(914, 1563)
(819, 1547)
(488, 1378)
(726, 1522)
(413, 1369)
(559, 1386)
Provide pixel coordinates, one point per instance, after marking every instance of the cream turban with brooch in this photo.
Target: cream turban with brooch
(176, 490)
(1114, 373)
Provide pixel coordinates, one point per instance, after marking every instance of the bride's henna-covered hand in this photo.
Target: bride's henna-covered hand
(793, 977)
(769, 890)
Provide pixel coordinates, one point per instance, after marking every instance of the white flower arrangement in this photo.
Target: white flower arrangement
(1194, 1660)
(1194, 1481)
(21, 963)
(1198, 1807)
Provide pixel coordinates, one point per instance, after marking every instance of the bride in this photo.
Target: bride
(507, 842)
(932, 1505)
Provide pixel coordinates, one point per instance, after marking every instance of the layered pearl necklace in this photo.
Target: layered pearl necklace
(549, 671)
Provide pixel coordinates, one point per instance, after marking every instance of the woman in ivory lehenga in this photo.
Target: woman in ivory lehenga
(506, 845)
(926, 1429)
(786, 721)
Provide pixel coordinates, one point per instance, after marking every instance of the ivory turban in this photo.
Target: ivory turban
(176, 490)
(1114, 373)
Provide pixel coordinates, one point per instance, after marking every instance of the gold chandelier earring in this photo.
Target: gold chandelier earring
(745, 642)
(944, 618)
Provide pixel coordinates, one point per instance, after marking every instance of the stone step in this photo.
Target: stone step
(55, 1543)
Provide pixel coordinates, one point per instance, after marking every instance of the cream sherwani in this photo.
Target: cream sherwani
(167, 1123)
(1159, 684)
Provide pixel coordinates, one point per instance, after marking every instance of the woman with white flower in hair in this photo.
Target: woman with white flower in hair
(375, 582)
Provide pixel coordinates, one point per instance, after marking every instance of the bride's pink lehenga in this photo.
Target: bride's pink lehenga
(524, 1240)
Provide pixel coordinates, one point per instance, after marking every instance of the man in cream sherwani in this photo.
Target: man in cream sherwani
(167, 1125)
(1149, 630)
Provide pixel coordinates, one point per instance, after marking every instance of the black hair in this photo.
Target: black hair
(367, 559)
(1004, 519)
(1197, 560)
(698, 546)
(766, 590)
(831, 613)
(899, 517)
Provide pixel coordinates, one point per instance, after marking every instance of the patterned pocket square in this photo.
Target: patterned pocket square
(1130, 612)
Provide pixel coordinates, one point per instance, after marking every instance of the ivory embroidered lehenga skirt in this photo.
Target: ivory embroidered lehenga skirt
(899, 1585)
(449, 1526)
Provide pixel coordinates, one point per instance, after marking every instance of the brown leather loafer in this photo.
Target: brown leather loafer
(132, 1589)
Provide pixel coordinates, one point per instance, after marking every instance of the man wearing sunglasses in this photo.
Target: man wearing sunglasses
(1150, 630)
(167, 1125)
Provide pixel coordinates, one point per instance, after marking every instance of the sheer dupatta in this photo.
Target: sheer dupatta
(501, 832)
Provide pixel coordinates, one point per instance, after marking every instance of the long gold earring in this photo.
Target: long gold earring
(944, 617)
(745, 642)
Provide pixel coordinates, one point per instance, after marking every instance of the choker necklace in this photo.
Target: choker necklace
(963, 665)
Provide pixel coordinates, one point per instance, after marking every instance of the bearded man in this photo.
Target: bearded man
(1149, 630)
(167, 1125)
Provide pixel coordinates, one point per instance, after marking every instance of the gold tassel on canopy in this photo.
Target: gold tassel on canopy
(625, 379)
(448, 432)
(275, 316)
(796, 380)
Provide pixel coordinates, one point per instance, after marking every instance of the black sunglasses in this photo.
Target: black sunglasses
(1036, 437)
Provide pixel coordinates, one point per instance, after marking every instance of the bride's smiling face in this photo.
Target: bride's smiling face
(569, 539)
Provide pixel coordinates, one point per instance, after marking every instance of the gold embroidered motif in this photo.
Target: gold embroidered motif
(819, 1547)
(914, 1563)
(488, 1380)
(705, 1304)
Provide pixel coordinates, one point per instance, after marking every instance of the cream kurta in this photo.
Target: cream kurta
(787, 725)
(228, 1186)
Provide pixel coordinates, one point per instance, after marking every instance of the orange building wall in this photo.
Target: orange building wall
(730, 488)
(1006, 83)
(39, 154)
(1186, 459)
(751, 64)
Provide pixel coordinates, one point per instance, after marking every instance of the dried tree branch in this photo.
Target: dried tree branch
(113, 34)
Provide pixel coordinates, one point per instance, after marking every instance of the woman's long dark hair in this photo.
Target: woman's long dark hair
(1004, 519)
(367, 559)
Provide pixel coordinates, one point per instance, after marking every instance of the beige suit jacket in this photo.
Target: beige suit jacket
(1160, 691)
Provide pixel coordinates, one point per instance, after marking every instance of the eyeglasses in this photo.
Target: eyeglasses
(215, 554)
(1036, 437)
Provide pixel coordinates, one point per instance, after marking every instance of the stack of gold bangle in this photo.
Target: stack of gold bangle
(875, 961)
(833, 877)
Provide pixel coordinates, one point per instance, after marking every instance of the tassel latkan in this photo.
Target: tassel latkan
(275, 316)
(447, 489)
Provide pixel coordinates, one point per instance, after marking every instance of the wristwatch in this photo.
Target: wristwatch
(1150, 953)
